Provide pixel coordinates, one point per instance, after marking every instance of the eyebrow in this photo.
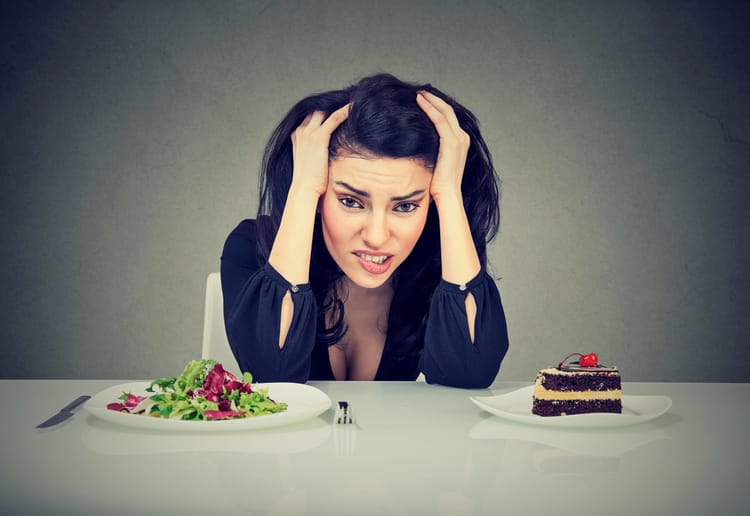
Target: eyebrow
(365, 194)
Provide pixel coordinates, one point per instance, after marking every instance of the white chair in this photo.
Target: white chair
(215, 342)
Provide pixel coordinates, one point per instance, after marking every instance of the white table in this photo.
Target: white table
(419, 449)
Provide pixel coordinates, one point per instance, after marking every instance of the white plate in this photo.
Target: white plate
(303, 402)
(516, 406)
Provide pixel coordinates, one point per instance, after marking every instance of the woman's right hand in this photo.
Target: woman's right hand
(310, 149)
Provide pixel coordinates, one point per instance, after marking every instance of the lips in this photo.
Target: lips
(374, 263)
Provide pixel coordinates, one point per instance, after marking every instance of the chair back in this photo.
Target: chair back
(215, 342)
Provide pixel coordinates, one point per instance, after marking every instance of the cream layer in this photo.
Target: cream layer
(541, 393)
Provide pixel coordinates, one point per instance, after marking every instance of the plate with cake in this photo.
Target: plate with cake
(583, 393)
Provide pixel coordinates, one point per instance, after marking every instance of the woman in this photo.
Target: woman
(367, 257)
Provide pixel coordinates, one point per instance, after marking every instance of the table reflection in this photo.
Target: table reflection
(569, 450)
(105, 438)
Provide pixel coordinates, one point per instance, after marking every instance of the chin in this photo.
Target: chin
(364, 279)
(369, 281)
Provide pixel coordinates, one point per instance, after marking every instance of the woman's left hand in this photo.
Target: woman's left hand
(454, 146)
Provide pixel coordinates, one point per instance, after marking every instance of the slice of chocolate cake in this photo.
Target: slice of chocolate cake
(577, 388)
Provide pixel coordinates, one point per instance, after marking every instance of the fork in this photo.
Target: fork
(344, 430)
(343, 414)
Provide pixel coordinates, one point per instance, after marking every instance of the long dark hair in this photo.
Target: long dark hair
(384, 121)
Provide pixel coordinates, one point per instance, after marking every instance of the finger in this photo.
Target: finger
(301, 128)
(439, 120)
(316, 118)
(438, 102)
(437, 109)
(336, 118)
(310, 122)
(306, 120)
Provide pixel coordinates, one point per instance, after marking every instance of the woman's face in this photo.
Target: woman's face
(373, 213)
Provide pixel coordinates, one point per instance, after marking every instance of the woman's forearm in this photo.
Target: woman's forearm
(458, 254)
(292, 249)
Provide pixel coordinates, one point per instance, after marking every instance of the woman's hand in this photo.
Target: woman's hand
(310, 149)
(454, 146)
(459, 258)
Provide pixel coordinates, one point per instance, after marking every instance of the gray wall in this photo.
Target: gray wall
(131, 134)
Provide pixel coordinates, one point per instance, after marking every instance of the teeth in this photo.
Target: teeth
(374, 259)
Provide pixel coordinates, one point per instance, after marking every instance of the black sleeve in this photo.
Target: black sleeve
(450, 358)
(252, 313)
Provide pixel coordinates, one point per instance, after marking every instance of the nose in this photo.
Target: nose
(375, 232)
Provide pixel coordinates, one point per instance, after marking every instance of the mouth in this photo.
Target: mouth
(374, 263)
(374, 258)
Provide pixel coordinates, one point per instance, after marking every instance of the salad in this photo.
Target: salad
(204, 391)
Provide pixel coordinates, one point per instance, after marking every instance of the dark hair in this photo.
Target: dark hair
(384, 121)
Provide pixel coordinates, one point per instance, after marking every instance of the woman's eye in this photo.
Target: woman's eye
(350, 202)
(406, 207)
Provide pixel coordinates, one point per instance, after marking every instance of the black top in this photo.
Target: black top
(252, 315)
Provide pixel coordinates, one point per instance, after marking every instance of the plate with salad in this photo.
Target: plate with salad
(206, 397)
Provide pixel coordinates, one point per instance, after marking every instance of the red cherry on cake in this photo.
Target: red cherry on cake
(589, 360)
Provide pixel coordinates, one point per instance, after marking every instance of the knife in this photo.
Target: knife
(64, 413)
